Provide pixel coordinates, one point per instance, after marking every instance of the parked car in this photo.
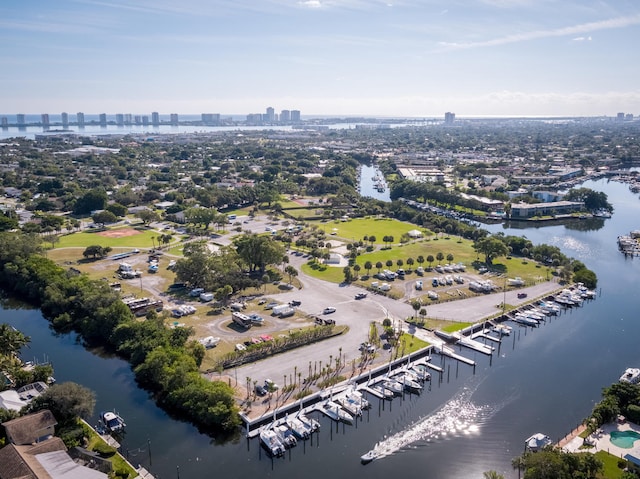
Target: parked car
(329, 310)
(361, 295)
(295, 302)
(261, 390)
(418, 285)
(196, 292)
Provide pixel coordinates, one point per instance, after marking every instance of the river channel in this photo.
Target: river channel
(540, 380)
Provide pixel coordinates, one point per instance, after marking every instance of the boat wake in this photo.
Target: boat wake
(457, 417)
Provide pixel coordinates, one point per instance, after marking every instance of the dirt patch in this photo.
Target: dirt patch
(119, 233)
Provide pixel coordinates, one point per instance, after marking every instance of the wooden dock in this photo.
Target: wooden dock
(446, 351)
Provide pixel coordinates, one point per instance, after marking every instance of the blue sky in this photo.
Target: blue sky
(323, 57)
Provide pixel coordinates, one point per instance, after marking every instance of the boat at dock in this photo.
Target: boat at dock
(630, 375)
(502, 329)
(421, 371)
(392, 385)
(408, 381)
(286, 435)
(311, 424)
(335, 412)
(112, 422)
(271, 442)
(299, 428)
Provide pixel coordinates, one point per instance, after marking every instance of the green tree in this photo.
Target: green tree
(368, 266)
(430, 259)
(66, 401)
(259, 251)
(491, 247)
(11, 340)
(148, 216)
(104, 217)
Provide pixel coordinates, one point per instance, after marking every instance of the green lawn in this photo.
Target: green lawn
(89, 238)
(357, 229)
(611, 469)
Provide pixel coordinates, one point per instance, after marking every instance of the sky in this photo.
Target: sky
(393, 58)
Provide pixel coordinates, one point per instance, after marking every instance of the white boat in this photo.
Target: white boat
(299, 428)
(380, 389)
(270, 440)
(335, 412)
(407, 381)
(369, 456)
(392, 385)
(630, 375)
(421, 371)
(350, 405)
(285, 435)
(524, 319)
(309, 422)
(502, 329)
(537, 442)
(356, 395)
(209, 342)
(112, 421)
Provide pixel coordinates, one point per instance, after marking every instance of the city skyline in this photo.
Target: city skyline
(404, 58)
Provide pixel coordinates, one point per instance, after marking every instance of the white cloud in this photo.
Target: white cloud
(619, 22)
(582, 39)
(311, 4)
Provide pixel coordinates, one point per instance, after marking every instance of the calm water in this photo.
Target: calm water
(542, 380)
(368, 186)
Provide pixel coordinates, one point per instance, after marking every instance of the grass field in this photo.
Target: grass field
(142, 239)
(357, 229)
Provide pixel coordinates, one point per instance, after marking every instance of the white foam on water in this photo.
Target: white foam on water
(457, 417)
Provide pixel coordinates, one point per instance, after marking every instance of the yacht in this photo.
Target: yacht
(380, 389)
(270, 440)
(630, 375)
(349, 404)
(420, 371)
(112, 422)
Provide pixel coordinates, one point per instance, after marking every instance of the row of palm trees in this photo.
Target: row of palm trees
(368, 265)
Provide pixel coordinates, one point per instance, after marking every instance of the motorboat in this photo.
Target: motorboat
(526, 320)
(309, 422)
(335, 412)
(209, 342)
(356, 395)
(420, 371)
(285, 435)
(349, 404)
(392, 385)
(502, 329)
(630, 375)
(112, 421)
(408, 381)
(299, 428)
(381, 390)
(271, 442)
(366, 458)
(537, 442)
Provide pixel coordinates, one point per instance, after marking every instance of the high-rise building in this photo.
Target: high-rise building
(285, 116)
(449, 118)
(145, 120)
(137, 119)
(65, 120)
(119, 119)
(45, 120)
(127, 119)
(211, 118)
(80, 118)
(628, 117)
(620, 116)
(173, 119)
(5, 122)
(103, 119)
(295, 116)
(271, 114)
(155, 118)
(20, 119)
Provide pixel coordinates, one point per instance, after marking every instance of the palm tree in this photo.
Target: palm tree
(11, 340)
(379, 265)
(450, 258)
(492, 475)
(368, 266)
(430, 260)
(419, 259)
(439, 256)
(410, 262)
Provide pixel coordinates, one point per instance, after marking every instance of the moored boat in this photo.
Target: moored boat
(335, 412)
(112, 421)
(630, 375)
(271, 442)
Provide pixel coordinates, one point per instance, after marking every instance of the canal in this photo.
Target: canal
(540, 380)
